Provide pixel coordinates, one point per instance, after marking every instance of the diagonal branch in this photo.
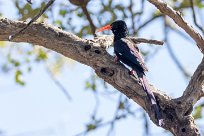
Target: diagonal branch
(195, 88)
(178, 19)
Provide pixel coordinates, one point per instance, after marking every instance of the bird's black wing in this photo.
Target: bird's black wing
(127, 51)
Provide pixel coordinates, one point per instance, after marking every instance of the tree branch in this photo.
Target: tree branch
(195, 88)
(12, 36)
(178, 19)
(91, 54)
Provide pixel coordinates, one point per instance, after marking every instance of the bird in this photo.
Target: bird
(128, 53)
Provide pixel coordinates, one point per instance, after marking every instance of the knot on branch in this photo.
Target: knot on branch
(97, 51)
(87, 47)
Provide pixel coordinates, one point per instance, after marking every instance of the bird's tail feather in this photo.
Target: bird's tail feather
(150, 95)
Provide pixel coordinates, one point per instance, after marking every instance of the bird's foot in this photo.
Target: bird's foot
(132, 72)
(116, 58)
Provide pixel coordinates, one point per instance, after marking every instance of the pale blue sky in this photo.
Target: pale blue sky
(40, 105)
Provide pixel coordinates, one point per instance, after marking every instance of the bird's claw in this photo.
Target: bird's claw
(116, 59)
(132, 72)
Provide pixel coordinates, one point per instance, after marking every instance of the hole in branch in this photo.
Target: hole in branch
(179, 102)
(87, 47)
(97, 51)
(183, 130)
(107, 71)
(196, 130)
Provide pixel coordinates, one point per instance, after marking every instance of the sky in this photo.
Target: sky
(41, 109)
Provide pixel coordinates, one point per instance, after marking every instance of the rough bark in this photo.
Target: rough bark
(90, 53)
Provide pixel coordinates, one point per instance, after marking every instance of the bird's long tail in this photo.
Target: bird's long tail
(150, 94)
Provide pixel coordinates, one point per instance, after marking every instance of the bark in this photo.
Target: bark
(90, 53)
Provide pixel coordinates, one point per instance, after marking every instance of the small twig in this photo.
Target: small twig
(146, 125)
(132, 17)
(171, 53)
(115, 117)
(152, 54)
(61, 87)
(143, 40)
(29, 1)
(12, 36)
(141, 12)
(194, 17)
(148, 21)
(93, 27)
(177, 31)
(106, 41)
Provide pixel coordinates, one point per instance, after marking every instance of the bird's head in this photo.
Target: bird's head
(118, 27)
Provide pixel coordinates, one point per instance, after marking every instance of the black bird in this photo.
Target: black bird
(127, 52)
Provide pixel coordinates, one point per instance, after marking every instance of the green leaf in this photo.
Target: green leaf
(87, 85)
(63, 12)
(14, 62)
(58, 22)
(42, 55)
(121, 106)
(18, 77)
(198, 112)
(90, 127)
(93, 87)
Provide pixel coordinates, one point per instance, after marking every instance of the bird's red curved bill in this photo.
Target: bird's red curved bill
(107, 27)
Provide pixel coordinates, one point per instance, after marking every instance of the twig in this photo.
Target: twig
(148, 21)
(146, 125)
(194, 17)
(29, 1)
(152, 54)
(141, 11)
(176, 61)
(132, 17)
(61, 87)
(112, 124)
(143, 40)
(186, 37)
(93, 27)
(171, 53)
(106, 41)
(12, 36)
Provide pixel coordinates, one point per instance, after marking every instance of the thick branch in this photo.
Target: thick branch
(91, 54)
(195, 89)
(178, 19)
